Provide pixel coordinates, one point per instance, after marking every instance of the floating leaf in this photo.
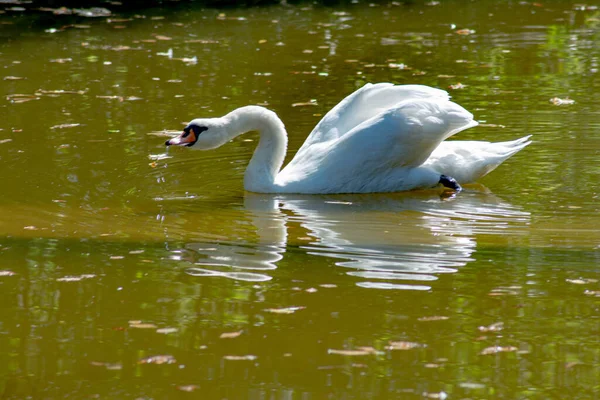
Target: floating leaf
(162, 37)
(465, 32)
(497, 349)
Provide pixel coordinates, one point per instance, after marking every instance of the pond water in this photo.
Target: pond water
(127, 271)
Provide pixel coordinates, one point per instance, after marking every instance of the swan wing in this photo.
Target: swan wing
(402, 136)
(467, 161)
(363, 104)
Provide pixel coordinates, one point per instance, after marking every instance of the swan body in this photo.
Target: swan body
(381, 138)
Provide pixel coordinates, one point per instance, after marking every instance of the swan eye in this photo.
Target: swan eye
(195, 130)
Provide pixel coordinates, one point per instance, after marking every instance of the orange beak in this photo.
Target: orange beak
(185, 139)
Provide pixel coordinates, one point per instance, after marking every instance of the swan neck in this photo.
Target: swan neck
(270, 151)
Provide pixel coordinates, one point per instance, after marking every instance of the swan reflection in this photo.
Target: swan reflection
(388, 241)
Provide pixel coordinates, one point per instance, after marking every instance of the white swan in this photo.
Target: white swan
(381, 138)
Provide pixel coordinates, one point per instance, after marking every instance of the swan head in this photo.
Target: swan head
(202, 134)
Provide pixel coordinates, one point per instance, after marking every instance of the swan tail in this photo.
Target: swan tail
(468, 161)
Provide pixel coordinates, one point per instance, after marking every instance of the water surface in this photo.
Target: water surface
(130, 272)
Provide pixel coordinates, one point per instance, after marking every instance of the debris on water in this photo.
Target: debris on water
(505, 291)
(457, 86)
(17, 98)
(202, 41)
(492, 126)
(433, 318)
(108, 366)
(465, 32)
(498, 349)
(161, 359)
(230, 335)
(141, 325)
(582, 281)
(188, 388)
(327, 285)
(286, 310)
(7, 273)
(168, 53)
(311, 102)
(495, 327)
(401, 66)
(359, 351)
(248, 357)
(13, 78)
(166, 331)
(439, 395)
(61, 60)
(75, 278)
(64, 126)
(2, 141)
(595, 293)
(60, 91)
(162, 37)
(561, 102)
(93, 12)
(402, 345)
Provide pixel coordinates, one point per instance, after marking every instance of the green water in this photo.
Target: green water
(130, 272)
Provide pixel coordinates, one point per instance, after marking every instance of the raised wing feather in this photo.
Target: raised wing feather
(401, 136)
(363, 104)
